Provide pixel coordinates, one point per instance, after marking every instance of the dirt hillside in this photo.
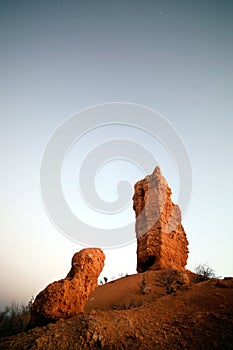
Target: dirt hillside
(143, 311)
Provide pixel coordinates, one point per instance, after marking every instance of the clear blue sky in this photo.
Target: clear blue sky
(58, 57)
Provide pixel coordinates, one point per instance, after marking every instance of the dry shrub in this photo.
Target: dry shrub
(204, 272)
(14, 319)
(172, 280)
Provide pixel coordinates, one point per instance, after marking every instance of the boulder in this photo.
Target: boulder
(67, 297)
(161, 239)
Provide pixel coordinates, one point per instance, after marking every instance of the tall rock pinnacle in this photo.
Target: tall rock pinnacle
(161, 239)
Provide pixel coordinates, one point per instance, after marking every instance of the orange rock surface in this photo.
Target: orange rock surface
(67, 297)
(161, 239)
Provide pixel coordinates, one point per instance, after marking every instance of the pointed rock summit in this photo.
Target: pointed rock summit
(161, 239)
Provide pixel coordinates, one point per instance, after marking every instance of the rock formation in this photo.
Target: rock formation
(67, 297)
(161, 239)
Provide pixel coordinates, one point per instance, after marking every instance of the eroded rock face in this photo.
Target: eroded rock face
(161, 239)
(67, 297)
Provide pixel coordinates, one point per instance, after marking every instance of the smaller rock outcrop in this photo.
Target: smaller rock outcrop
(67, 297)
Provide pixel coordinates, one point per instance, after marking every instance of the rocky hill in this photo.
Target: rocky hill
(136, 312)
(164, 306)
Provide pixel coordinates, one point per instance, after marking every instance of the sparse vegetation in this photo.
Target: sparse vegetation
(14, 318)
(142, 286)
(113, 278)
(204, 272)
(169, 279)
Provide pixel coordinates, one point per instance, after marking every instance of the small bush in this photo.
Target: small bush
(170, 279)
(14, 318)
(142, 286)
(204, 272)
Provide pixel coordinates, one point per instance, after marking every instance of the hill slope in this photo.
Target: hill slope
(135, 312)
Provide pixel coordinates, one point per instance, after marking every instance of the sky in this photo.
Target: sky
(62, 57)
